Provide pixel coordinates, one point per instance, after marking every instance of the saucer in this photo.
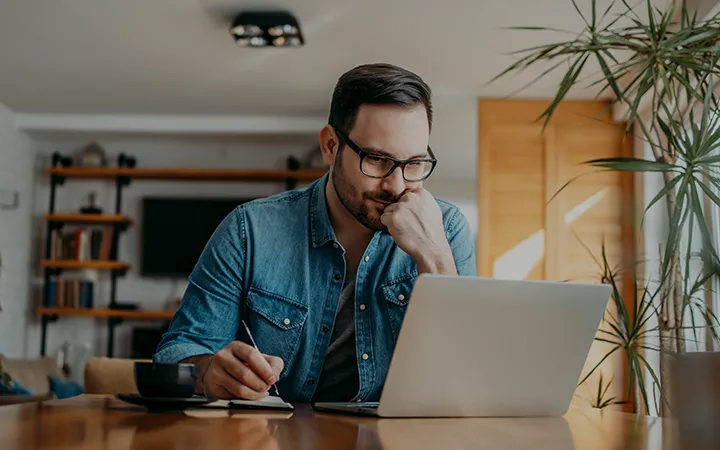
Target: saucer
(164, 403)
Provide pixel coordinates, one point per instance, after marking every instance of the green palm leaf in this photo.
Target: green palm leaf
(632, 165)
(592, 371)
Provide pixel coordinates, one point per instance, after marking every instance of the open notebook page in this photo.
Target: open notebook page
(269, 402)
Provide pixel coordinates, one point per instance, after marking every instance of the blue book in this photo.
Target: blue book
(50, 299)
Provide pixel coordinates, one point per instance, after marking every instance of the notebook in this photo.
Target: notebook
(269, 402)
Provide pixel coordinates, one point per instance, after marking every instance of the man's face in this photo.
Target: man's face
(400, 133)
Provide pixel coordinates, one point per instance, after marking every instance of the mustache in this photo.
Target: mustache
(384, 196)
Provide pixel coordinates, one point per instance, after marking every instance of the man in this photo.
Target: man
(322, 276)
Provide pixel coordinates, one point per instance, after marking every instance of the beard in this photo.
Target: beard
(357, 203)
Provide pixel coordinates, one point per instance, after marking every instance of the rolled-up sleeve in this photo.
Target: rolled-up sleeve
(462, 244)
(209, 313)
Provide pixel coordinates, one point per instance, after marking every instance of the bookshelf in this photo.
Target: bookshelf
(185, 174)
(78, 265)
(56, 258)
(105, 313)
(88, 218)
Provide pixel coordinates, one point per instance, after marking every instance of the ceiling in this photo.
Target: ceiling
(177, 56)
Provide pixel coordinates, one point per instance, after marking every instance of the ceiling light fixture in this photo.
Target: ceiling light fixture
(266, 29)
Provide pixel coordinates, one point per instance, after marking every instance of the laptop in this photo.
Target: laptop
(484, 347)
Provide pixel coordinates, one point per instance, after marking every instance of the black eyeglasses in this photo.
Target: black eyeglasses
(375, 165)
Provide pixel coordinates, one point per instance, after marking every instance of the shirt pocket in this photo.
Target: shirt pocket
(397, 294)
(276, 323)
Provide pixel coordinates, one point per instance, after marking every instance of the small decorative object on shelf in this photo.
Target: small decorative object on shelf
(126, 161)
(91, 208)
(92, 155)
(59, 160)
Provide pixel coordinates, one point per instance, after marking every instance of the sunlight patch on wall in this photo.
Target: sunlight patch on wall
(575, 213)
(518, 262)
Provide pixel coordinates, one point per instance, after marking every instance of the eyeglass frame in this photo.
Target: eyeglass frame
(396, 162)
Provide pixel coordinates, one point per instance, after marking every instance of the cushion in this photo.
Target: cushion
(32, 374)
(64, 388)
(110, 376)
(14, 388)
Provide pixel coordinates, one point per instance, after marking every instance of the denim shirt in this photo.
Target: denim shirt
(275, 262)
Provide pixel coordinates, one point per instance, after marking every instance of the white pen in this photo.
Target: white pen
(247, 330)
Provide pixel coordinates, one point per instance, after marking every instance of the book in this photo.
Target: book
(269, 402)
(50, 299)
(69, 293)
(81, 244)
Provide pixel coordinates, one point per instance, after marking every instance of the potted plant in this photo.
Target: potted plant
(660, 67)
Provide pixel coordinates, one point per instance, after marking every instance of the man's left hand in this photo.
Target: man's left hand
(416, 224)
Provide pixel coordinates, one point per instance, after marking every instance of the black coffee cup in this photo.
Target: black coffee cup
(165, 380)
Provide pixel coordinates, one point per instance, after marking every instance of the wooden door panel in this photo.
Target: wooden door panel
(514, 177)
(591, 205)
(525, 235)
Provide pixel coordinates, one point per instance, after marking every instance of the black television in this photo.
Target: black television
(176, 230)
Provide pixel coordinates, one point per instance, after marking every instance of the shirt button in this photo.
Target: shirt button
(286, 321)
(365, 356)
(401, 297)
(325, 329)
(367, 258)
(337, 276)
(362, 307)
(336, 246)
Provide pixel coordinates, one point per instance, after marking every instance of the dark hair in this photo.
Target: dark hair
(376, 84)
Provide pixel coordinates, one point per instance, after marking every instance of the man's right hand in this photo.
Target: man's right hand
(237, 371)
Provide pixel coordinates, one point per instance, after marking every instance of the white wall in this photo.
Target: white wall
(16, 169)
(454, 141)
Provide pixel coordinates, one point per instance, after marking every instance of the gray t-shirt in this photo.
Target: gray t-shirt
(339, 380)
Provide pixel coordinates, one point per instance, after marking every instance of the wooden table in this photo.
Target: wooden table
(102, 422)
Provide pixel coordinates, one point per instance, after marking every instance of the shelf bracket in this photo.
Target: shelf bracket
(119, 272)
(50, 318)
(45, 320)
(123, 181)
(50, 271)
(57, 180)
(55, 226)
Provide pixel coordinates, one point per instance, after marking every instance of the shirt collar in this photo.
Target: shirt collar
(320, 226)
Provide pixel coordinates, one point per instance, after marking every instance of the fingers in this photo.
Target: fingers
(391, 208)
(217, 391)
(236, 388)
(276, 363)
(242, 373)
(385, 219)
(255, 360)
(410, 193)
(211, 384)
